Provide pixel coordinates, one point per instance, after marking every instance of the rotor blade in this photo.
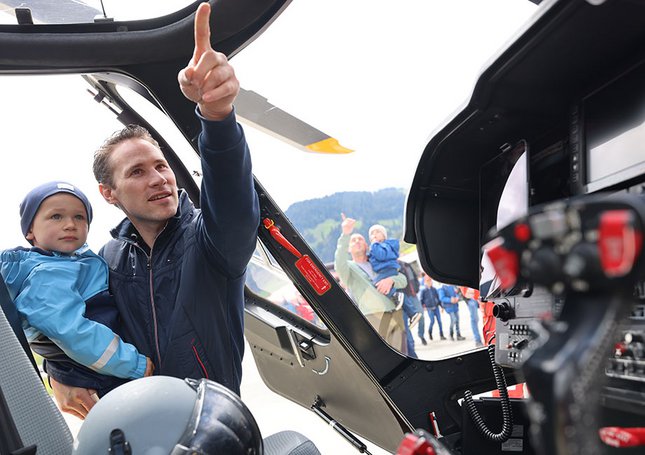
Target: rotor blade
(255, 110)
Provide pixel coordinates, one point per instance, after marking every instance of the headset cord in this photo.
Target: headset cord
(507, 415)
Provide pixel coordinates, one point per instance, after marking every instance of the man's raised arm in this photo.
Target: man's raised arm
(230, 207)
(208, 79)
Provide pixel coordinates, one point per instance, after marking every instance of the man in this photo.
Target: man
(471, 296)
(412, 309)
(177, 272)
(430, 300)
(370, 298)
(450, 303)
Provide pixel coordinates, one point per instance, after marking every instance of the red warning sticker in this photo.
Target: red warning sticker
(313, 275)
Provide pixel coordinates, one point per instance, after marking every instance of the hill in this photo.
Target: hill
(318, 220)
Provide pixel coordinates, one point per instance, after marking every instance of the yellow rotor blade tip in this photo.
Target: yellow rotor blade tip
(329, 145)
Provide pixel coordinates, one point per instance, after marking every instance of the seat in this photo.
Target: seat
(32, 419)
(289, 443)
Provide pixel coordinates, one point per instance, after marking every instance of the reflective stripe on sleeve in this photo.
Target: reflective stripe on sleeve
(107, 354)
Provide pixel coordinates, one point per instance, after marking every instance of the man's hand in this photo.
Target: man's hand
(208, 79)
(73, 400)
(347, 225)
(150, 368)
(385, 285)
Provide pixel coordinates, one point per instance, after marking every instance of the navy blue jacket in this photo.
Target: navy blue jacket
(429, 297)
(182, 303)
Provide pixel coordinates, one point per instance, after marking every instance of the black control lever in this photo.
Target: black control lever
(589, 251)
(565, 373)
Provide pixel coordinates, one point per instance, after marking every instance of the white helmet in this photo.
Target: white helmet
(165, 415)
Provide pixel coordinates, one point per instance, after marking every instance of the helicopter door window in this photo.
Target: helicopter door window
(266, 279)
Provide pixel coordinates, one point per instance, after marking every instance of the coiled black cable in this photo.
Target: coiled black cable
(507, 415)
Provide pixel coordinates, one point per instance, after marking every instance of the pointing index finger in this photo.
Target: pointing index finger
(202, 31)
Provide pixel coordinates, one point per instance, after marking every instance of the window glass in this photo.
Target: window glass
(164, 126)
(380, 96)
(265, 278)
(51, 127)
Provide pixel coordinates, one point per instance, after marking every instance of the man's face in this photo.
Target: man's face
(427, 280)
(60, 224)
(357, 245)
(145, 187)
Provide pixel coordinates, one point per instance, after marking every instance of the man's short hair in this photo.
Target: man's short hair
(101, 166)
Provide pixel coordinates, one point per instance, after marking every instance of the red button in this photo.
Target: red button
(415, 445)
(618, 241)
(522, 232)
(622, 437)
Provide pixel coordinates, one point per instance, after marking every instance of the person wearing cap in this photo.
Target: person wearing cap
(60, 289)
(177, 272)
(384, 258)
(383, 254)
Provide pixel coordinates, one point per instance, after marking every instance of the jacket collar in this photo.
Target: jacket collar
(125, 230)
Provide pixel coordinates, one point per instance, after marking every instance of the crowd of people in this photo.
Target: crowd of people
(439, 301)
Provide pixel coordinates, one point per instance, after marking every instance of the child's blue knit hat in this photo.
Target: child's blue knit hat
(30, 204)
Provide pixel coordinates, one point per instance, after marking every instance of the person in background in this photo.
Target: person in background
(429, 297)
(357, 276)
(421, 328)
(449, 297)
(383, 256)
(60, 289)
(471, 297)
(412, 309)
(411, 305)
(489, 321)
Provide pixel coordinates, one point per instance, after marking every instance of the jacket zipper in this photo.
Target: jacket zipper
(152, 306)
(151, 289)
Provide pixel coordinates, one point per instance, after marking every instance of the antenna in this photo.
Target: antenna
(105, 18)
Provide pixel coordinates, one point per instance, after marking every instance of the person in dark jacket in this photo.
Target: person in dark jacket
(430, 300)
(177, 272)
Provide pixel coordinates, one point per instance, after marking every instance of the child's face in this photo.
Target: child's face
(60, 224)
(377, 236)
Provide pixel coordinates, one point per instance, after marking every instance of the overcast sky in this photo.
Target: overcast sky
(380, 77)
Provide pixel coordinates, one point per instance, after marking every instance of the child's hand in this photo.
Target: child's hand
(150, 367)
